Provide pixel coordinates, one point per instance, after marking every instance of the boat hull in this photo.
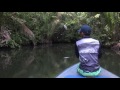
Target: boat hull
(71, 72)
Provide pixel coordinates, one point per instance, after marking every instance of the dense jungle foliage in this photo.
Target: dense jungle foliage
(33, 28)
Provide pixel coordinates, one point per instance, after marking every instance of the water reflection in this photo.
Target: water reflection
(40, 62)
(47, 61)
(5, 60)
(111, 61)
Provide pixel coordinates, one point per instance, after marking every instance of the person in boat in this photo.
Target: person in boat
(88, 50)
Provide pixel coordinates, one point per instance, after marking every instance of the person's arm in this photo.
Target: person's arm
(100, 52)
(76, 51)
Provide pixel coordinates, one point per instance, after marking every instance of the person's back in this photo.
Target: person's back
(87, 50)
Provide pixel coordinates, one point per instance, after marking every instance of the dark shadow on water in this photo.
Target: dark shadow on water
(47, 61)
(111, 61)
(41, 62)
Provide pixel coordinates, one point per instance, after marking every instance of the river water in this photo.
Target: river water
(47, 61)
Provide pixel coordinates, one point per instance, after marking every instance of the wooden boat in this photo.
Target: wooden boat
(71, 72)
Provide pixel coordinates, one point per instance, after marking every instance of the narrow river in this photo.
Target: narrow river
(47, 61)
